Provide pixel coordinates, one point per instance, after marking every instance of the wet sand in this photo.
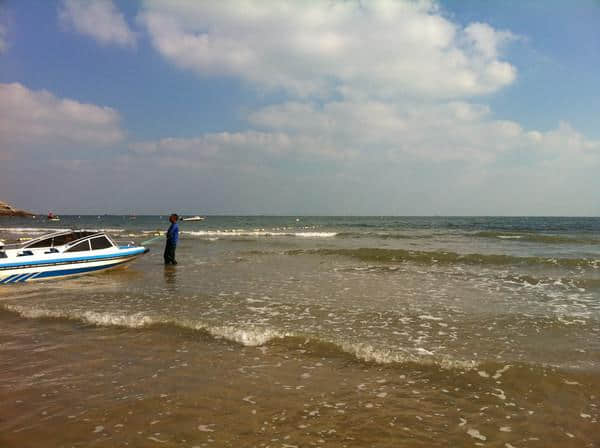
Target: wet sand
(67, 384)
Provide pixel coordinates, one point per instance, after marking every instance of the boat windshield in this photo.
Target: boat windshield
(100, 242)
(84, 246)
(58, 239)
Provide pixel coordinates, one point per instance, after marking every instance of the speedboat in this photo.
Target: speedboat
(194, 218)
(63, 254)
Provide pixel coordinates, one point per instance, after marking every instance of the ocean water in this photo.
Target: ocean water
(312, 331)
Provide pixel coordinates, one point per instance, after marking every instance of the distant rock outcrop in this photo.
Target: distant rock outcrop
(8, 210)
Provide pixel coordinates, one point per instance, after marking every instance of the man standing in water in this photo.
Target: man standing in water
(172, 238)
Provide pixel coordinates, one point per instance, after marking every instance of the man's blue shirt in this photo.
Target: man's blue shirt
(173, 233)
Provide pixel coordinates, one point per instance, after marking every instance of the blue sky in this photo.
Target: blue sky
(557, 57)
(453, 107)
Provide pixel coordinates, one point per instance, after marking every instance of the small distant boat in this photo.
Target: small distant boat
(63, 254)
(53, 217)
(194, 218)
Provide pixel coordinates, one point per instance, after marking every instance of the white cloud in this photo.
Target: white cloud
(435, 132)
(345, 157)
(3, 44)
(237, 148)
(453, 158)
(6, 24)
(99, 19)
(388, 133)
(210, 145)
(487, 41)
(34, 117)
(380, 48)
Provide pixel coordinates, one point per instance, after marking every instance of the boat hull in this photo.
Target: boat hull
(194, 218)
(54, 269)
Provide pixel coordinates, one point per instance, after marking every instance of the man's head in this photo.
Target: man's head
(173, 217)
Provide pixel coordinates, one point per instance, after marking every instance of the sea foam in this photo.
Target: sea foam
(251, 336)
(257, 233)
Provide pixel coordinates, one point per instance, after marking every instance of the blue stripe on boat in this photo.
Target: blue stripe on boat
(21, 278)
(27, 277)
(7, 279)
(63, 272)
(18, 278)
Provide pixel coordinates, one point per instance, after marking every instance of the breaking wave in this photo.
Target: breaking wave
(382, 235)
(536, 237)
(28, 230)
(445, 257)
(252, 336)
(258, 233)
(36, 230)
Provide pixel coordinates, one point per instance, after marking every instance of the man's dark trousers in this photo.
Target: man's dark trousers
(170, 253)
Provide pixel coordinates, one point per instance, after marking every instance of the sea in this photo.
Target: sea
(297, 331)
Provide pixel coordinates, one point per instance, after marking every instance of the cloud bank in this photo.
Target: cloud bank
(376, 49)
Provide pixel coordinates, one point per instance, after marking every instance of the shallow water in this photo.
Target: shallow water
(312, 331)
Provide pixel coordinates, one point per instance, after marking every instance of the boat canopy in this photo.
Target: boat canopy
(95, 241)
(59, 238)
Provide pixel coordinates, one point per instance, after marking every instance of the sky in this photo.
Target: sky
(329, 107)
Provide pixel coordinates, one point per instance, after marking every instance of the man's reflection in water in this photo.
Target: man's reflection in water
(170, 274)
